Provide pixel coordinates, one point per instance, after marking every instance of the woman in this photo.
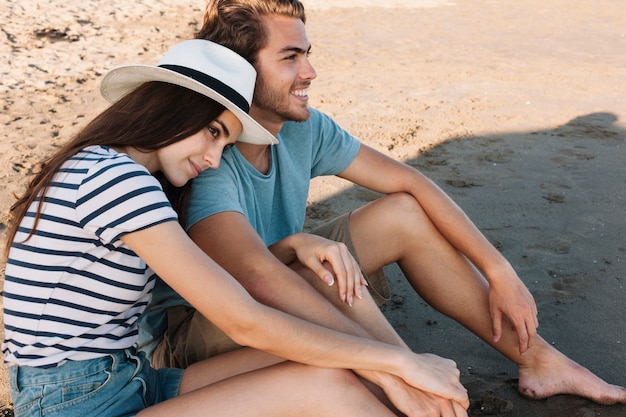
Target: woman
(93, 229)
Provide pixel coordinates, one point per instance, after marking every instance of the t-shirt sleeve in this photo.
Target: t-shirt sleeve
(334, 148)
(118, 197)
(215, 191)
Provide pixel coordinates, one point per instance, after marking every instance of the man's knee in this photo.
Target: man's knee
(400, 213)
(404, 204)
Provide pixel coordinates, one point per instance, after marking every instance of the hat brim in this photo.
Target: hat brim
(122, 80)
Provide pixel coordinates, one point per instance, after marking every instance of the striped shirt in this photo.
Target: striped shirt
(74, 290)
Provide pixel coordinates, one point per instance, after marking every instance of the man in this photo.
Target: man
(253, 228)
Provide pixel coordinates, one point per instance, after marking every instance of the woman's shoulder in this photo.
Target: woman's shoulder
(101, 156)
(98, 172)
(103, 163)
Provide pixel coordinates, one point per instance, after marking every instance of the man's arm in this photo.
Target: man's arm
(508, 295)
(378, 172)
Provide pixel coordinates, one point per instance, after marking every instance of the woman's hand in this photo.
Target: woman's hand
(415, 402)
(435, 375)
(422, 404)
(330, 261)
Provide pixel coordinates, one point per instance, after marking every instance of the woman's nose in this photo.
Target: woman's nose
(212, 157)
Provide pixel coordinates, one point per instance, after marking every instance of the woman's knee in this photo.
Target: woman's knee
(337, 392)
(330, 381)
(330, 377)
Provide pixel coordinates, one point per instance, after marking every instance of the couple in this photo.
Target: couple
(253, 205)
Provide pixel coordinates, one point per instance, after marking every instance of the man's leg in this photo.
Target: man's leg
(189, 338)
(396, 229)
(366, 312)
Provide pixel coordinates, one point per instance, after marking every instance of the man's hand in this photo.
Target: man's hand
(509, 297)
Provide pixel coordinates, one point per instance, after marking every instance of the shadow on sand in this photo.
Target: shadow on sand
(553, 202)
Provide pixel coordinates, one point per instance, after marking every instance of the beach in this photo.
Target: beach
(516, 109)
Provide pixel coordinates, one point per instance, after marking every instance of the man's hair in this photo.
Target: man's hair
(238, 25)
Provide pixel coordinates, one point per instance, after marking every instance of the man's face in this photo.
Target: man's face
(284, 74)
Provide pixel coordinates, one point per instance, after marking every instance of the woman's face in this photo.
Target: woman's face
(185, 159)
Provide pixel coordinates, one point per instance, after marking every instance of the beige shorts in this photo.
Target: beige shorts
(190, 337)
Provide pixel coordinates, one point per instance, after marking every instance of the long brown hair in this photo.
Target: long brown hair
(238, 25)
(153, 116)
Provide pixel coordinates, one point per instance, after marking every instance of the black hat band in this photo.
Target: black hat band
(213, 83)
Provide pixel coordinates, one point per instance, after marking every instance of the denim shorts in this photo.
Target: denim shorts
(119, 384)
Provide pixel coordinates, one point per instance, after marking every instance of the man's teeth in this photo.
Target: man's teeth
(301, 93)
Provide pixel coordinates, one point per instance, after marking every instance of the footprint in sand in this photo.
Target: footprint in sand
(554, 198)
(569, 287)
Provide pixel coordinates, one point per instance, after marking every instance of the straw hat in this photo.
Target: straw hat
(201, 66)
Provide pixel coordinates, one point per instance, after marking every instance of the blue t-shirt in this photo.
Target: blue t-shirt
(274, 203)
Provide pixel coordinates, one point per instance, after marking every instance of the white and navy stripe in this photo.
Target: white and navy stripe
(73, 290)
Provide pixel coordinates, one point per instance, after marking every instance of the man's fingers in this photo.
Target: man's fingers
(496, 323)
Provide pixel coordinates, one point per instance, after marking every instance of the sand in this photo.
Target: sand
(516, 109)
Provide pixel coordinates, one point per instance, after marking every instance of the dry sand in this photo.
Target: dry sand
(517, 109)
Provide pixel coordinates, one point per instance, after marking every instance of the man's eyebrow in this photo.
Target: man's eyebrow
(296, 49)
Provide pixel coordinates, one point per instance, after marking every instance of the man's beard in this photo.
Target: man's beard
(271, 102)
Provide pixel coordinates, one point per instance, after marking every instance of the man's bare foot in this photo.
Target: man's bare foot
(557, 374)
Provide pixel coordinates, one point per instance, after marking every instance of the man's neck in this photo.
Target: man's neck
(270, 121)
(257, 155)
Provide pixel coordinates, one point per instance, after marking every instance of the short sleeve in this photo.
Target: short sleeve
(118, 197)
(333, 149)
(215, 191)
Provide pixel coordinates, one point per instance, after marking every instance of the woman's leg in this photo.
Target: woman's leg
(285, 389)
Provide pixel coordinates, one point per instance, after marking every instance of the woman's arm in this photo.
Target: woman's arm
(219, 297)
